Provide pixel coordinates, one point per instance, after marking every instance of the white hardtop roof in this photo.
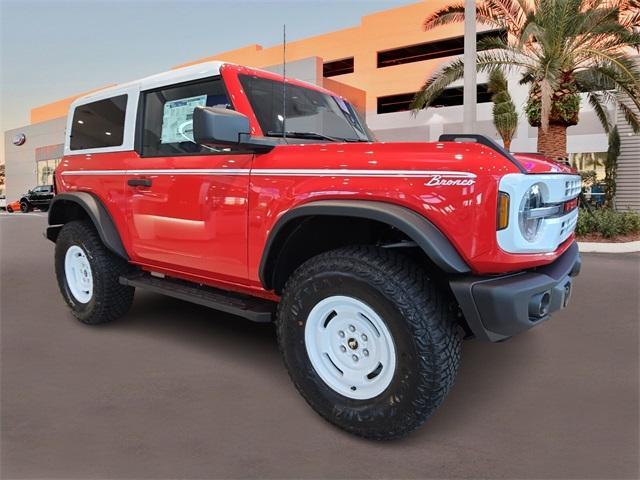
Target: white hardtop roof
(179, 75)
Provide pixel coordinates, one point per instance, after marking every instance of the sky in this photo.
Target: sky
(51, 49)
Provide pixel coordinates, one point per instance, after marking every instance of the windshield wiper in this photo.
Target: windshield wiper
(314, 135)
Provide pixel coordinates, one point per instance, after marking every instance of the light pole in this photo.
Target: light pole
(470, 83)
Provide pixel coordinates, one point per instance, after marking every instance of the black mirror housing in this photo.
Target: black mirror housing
(221, 127)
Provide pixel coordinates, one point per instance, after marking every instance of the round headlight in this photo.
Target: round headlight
(530, 227)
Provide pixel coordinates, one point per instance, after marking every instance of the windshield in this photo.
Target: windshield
(310, 113)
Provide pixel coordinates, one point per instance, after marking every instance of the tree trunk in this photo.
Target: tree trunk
(553, 142)
(507, 144)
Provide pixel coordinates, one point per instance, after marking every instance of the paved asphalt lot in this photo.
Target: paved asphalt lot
(174, 390)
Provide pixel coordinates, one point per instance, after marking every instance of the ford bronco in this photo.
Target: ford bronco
(270, 199)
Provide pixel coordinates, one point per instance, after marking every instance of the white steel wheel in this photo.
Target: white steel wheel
(350, 347)
(77, 271)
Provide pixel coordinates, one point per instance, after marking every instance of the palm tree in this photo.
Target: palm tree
(611, 167)
(505, 117)
(561, 48)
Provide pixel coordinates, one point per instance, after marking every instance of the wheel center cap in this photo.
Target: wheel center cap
(353, 343)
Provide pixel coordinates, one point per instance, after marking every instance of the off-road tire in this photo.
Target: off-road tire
(110, 299)
(419, 316)
(9, 209)
(25, 207)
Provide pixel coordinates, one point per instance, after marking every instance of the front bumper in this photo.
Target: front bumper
(500, 307)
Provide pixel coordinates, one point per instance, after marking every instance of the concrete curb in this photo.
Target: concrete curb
(596, 247)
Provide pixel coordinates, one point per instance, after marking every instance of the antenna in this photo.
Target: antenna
(284, 81)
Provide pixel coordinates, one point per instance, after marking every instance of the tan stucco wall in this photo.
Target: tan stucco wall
(397, 27)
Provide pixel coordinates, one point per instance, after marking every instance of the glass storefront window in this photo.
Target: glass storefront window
(589, 162)
(591, 168)
(44, 171)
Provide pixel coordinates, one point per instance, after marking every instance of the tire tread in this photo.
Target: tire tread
(424, 306)
(112, 300)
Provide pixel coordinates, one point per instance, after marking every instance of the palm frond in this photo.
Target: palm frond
(499, 44)
(454, 71)
(628, 85)
(630, 116)
(596, 101)
(529, 33)
(618, 66)
(489, 12)
(453, 13)
(436, 84)
(630, 14)
(513, 12)
(617, 97)
(592, 81)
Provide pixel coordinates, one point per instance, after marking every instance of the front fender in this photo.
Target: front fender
(419, 229)
(66, 207)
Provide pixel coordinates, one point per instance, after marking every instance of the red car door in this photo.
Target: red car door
(187, 204)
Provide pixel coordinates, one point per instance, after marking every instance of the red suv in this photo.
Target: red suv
(229, 187)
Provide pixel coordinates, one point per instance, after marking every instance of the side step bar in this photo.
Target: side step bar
(251, 308)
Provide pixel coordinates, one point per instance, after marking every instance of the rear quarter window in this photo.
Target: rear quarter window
(99, 124)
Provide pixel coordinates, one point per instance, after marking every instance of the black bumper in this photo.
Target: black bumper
(500, 307)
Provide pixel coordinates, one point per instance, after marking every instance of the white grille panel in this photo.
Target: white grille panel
(569, 223)
(572, 188)
(556, 189)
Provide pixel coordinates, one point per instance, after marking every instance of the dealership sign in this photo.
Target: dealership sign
(19, 139)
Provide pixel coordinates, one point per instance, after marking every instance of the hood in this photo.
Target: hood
(538, 163)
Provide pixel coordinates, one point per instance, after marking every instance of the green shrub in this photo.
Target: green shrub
(631, 222)
(586, 223)
(608, 223)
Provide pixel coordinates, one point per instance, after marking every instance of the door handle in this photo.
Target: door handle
(139, 182)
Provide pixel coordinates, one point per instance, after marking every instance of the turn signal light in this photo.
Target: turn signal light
(502, 220)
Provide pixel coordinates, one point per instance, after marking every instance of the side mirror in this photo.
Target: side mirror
(220, 127)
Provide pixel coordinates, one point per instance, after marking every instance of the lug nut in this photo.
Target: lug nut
(341, 334)
(343, 348)
(352, 328)
(364, 337)
(354, 357)
(365, 352)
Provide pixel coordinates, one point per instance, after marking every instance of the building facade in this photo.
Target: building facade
(628, 180)
(379, 65)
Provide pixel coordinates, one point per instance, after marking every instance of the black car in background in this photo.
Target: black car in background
(39, 197)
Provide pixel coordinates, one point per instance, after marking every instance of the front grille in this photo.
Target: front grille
(557, 225)
(571, 188)
(568, 226)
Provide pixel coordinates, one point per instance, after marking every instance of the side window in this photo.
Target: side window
(168, 116)
(99, 124)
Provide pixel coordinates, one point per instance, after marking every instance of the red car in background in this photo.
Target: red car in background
(13, 206)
